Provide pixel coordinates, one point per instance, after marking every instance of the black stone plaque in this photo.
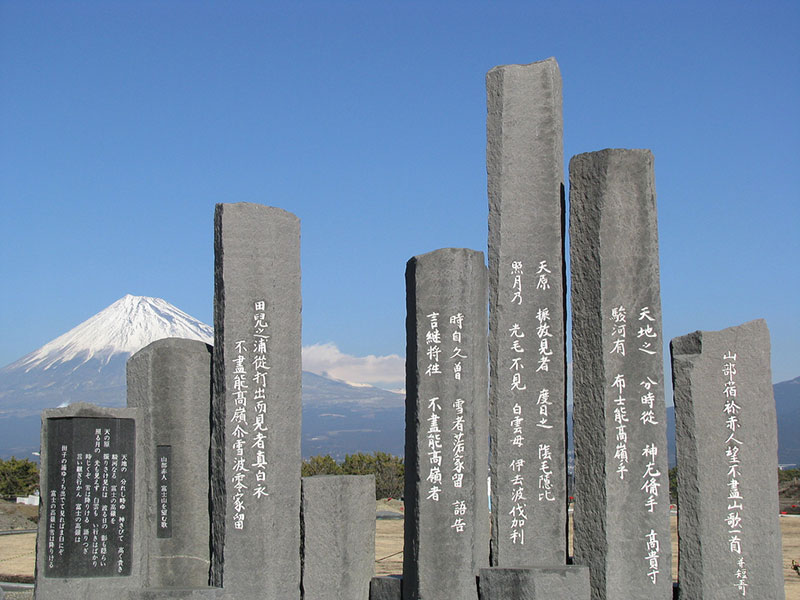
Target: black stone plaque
(89, 497)
(164, 491)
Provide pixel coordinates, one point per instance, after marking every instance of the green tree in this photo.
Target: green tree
(673, 485)
(320, 465)
(18, 477)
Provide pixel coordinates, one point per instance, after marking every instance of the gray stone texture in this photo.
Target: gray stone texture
(535, 583)
(386, 588)
(527, 349)
(170, 380)
(256, 405)
(447, 521)
(178, 594)
(726, 437)
(621, 516)
(338, 524)
(90, 588)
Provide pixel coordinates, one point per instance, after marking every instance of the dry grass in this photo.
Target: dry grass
(389, 551)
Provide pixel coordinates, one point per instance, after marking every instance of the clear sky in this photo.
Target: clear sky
(123, 123)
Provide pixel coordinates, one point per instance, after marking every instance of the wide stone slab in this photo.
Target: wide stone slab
(170, 380)
(727, 442)
(621, 513)
(338, 523)
(90, 544)
(256, 411)
(527, 349)
(447, 520)
(535, 583)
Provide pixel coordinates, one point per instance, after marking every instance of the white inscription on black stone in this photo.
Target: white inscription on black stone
(164, 487)
(89, 495)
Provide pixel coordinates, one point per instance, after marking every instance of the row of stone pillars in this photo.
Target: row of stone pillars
(194, 490)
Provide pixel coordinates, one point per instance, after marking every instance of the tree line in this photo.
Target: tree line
(18, 477)
(389, 470)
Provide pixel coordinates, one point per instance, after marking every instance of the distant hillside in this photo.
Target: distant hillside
(87, 364)
(787, 405)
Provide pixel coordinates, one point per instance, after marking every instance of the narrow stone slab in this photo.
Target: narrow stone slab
(338, 524)
(727, 442)
(527, 348)
(386, 588)
(535, 583)
(447, 522)
(621, 471)
(90, 543)
(170, 380)
(256, 403)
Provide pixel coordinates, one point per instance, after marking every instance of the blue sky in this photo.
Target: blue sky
(122, 124)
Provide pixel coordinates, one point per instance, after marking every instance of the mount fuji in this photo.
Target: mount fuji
(87, 364)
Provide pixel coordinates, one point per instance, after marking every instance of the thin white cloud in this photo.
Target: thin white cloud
(381, 371)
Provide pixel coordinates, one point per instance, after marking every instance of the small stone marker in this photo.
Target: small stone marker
(386, 588)
(621, 482)
(170, 380)
(535, 583)
(525, 166)
(256, 412)
(727, 442)
(338, 536)
(446, 523)
(88, 544)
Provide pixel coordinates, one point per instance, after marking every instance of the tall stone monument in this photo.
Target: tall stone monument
(447, 521)
(256, 410)
(621, 481)
(170, 381)
(527, 350)
(727, 442)
(90, 543)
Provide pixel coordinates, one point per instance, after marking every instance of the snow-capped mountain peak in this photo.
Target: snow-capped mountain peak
(125, 327)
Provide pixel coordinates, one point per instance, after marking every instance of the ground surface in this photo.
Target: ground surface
(17, 552)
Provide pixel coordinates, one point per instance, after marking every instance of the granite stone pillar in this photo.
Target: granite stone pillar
(256, 410)
(621, 482)
(446, 522)
(535, 583)
(90, 543)
(527, 348)
(338, 524)
(170, 380)
(727, 442)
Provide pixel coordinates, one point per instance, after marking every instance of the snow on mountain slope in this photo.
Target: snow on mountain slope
(88, 362)
(125, 327)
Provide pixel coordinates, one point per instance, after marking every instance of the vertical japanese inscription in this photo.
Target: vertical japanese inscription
(90, 490)
(249, 419)
(164, 488)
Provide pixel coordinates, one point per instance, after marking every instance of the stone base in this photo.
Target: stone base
(386, 588)
(568, 582)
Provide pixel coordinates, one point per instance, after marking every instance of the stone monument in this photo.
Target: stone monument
(527, 349)
(727, 442)
(90, 542)
(621, 471)
(170, 381)
(256, 407)
(447, 521)
(338, 524)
